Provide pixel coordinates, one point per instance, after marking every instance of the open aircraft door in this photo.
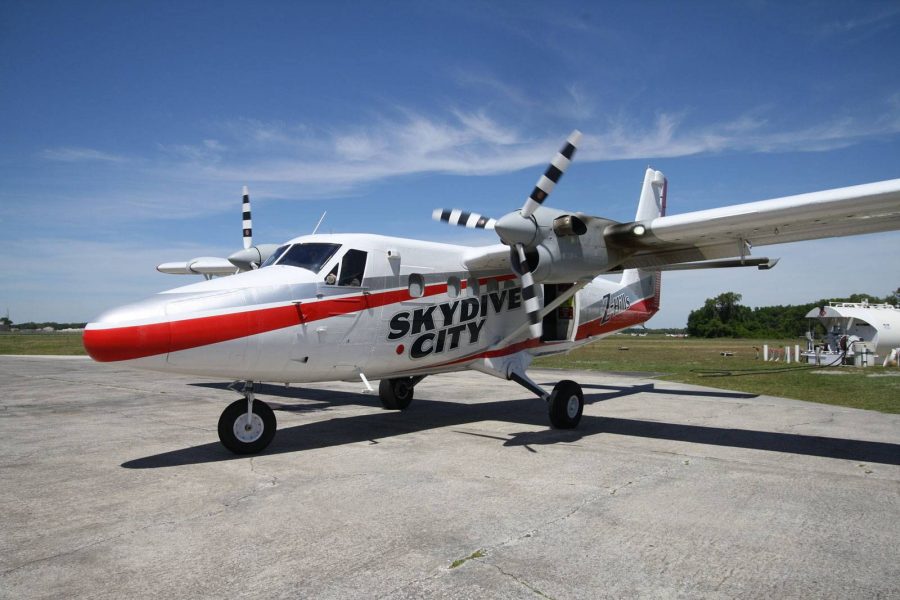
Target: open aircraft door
(561, 323)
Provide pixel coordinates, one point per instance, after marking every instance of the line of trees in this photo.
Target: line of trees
(29, 326)
(725, 316)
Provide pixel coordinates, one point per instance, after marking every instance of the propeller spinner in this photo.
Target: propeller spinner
(519, 229)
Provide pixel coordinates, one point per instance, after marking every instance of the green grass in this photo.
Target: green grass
(41, 343)
(678, 360)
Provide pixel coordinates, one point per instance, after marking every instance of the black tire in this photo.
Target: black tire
(396, 394)
(253, 441)
(565, 398)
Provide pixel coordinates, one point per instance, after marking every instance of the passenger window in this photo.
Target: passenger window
(453, 285)
(416, 285)
(474, 289)
(353, 265)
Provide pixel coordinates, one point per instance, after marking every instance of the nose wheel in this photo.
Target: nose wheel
(247, 426)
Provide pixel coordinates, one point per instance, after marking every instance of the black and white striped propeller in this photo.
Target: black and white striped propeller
(246, 219)
(551, 176)
(519, 229)
(462, 218)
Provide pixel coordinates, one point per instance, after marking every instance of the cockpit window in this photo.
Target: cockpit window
(308, 256)
(353, 265)
(274, 256)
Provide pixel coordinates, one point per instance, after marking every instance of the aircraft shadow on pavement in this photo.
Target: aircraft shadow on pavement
(617, 391)
(324, 399)
(426, 414)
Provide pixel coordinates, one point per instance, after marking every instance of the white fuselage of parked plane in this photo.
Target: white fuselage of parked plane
(417, 310)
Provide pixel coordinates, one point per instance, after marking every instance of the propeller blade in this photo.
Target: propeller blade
(247, 220)
(551, 176)
(532, 306)
(455, 216)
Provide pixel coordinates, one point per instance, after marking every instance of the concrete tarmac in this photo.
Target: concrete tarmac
(114, 485)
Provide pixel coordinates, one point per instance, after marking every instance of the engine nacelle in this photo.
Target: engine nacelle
(250, 258)
(571, 248)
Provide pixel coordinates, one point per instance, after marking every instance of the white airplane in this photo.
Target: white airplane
(370, 307)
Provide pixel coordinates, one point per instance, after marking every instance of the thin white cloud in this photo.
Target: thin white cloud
(76, 154)
(474, 143)
(668, 137)
(476, 80)
(576, 104)
(296, 161)
(868, 23)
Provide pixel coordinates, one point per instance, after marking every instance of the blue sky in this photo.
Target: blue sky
(128, 129)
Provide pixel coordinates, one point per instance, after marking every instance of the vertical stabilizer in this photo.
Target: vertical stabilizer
(652, 204)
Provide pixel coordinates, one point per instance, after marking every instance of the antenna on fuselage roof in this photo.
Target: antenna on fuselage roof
(322, 218)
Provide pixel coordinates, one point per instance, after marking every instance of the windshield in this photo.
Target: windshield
(308, 256)
(274, 256)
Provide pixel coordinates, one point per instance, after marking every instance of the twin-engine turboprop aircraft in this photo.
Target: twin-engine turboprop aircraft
(357, 306)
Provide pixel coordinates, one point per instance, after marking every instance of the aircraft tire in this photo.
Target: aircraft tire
(396, 394)
(566, 405)
(234, 434)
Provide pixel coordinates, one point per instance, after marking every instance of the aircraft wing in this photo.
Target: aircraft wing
(204, 265)
(732, 230)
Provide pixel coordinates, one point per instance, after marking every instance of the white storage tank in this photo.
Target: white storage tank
(859, 329)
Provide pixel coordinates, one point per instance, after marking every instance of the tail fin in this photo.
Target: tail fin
(652, 204)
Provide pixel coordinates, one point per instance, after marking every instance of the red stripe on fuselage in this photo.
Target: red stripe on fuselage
(140, 341)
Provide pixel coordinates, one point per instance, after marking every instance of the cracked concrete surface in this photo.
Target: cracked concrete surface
(114, 485)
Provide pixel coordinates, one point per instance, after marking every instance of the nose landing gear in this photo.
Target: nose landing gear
(247, 426)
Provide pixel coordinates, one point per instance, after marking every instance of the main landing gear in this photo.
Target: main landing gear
(396, 394)
(565, 402)
(247, 426)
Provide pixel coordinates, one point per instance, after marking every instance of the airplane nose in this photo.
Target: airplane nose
(125, 343)
(172, 322)
(129, 332)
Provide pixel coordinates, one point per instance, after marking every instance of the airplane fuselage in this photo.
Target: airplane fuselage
(366, 304)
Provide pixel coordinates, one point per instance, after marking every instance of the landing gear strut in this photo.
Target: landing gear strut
(396, 394)
(247, 426)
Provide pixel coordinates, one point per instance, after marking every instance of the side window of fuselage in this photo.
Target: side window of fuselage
(353, 266)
